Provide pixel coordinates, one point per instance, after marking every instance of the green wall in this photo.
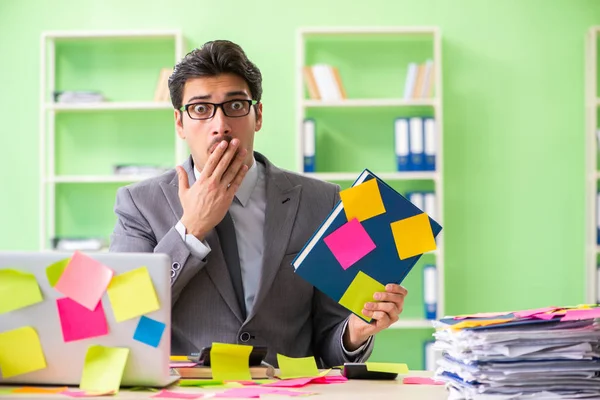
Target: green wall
(513, 123)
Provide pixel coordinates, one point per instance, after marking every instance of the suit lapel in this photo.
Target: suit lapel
(282, 206)
(216, 268)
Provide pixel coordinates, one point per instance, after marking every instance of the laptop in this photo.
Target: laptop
(146, 365)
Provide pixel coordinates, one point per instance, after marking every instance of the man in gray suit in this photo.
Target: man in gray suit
(232, 223)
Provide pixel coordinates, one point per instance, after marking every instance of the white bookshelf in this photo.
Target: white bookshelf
(592, 102)
(48, 111)
(435, 103)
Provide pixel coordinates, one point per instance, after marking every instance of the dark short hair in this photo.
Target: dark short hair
(212, 59)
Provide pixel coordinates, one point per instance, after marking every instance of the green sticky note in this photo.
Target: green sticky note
(199, 382)
(304, 367)
(17, 290)
(230, 362)
(103, 368)
(20, 352)
(387, 367)
(54, 271)
(132, 294)
(361, 291)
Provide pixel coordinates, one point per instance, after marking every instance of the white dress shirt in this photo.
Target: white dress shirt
(248, 213)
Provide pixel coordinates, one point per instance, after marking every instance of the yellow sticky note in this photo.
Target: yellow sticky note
(362, 201)
(55, 271)
(20, 352)
(474, 323)
(395, 368)
(361, 291)
(132, 294)
(103, 368)
(17, 290)
(303, 367)
(230, 362)
(413, 236)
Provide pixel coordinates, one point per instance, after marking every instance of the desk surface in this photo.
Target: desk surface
(350, 390)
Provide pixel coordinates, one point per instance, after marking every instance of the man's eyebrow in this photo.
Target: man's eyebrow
(228, 94)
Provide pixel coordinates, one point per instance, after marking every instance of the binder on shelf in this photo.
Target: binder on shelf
(416, 144)
(401, 144)
(429, 356)
(411, 77)
(373, 236)
(418, 200)
(308, 144)
(311, 83)
(427, 81)
(430, 291)
(326, 82)
(429, 204)
(430, 143)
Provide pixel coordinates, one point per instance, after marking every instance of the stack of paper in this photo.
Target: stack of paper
(549, 353)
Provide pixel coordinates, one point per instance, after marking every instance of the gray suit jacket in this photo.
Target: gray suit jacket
(289, 315)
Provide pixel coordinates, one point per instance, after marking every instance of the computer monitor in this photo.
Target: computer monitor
(148, 360)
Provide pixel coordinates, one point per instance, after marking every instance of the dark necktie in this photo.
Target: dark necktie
(226, 231)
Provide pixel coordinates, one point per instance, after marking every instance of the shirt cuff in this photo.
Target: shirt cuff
(198, 248)
(351, 354)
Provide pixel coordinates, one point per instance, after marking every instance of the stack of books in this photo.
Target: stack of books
(548, 353)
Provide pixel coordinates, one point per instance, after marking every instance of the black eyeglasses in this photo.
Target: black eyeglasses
(231, 108)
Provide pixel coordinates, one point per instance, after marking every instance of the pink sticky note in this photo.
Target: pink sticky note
(256, 392)
(84, 280)
(78, 322)
(296, 382)
(482, 315)
(167, 394)
(80, 393)
(532, 312)
(574, 315)
(419, 380)
(349, 243)
(330, 379)
(182, 364)
(544, 316)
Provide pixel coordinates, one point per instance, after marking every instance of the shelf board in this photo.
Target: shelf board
(412, 324)
(351, 176)
(124, 34)
(370, 103)
(374, 30)
(110, 106)
(97, 178)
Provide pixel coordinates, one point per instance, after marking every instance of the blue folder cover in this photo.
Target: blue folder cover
(317, 264)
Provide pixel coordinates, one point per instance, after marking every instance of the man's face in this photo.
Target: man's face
(202, 136)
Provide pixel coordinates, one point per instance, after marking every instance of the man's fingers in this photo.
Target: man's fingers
(225, 160)
(386, 307)
(393, 288)
(183, 179)
(214, 159)
(234, 167)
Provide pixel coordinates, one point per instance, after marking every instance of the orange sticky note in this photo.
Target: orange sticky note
(413, 236)
(362, 201)
(132, 294)
(84, 280)
(40, 390)
(361, 291)
(20, 352)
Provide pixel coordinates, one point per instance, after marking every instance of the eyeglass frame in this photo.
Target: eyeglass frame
(217, 106)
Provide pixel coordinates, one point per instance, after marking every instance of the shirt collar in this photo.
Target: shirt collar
(248, 184)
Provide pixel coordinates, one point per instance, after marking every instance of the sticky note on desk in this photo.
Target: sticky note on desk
(20, 352)
(103, 368)
(362, 201)
(84, 280)
(303, 367)
(132, 294)
(230, 362)
(17, 290)
(395, 368)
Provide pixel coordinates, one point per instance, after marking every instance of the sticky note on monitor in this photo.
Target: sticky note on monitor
(20, 352)
(303, 367)
(77, 322)
(17, 290)
(84, 280)
(149, 331)
(349, 243)
(230, 362)
(103, 368)
(361, 291)
(362, 201)
(132, 294)
(413, 236)
(55, 271)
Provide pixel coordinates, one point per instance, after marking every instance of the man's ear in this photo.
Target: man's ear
(258, 123)
(179, 124)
